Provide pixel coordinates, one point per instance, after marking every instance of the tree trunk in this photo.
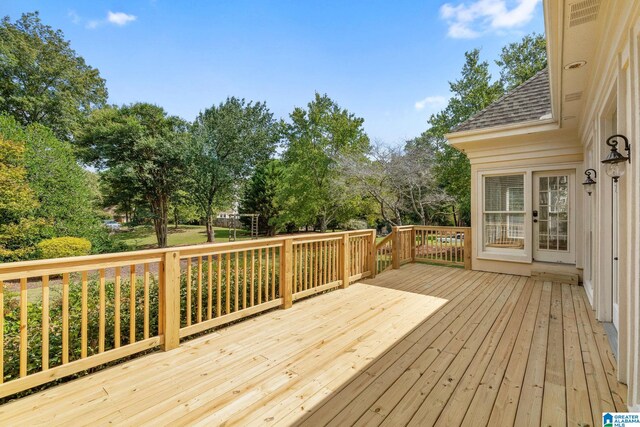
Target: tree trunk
(159, 208)
(211, 238)
(323, 223)
(455, 217)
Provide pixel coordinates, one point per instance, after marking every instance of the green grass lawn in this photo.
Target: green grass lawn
(143, 237)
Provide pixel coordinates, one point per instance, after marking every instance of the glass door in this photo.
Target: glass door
(553, 217)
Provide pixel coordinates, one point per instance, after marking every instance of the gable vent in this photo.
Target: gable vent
(575, 96)
(583, 12)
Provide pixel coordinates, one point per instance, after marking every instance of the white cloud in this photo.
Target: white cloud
(120, 18)
(471, 19)
(75, 18)
(430, 101)
(115, 18)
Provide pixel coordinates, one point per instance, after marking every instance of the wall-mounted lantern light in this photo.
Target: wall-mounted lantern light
(615, 161)
(589, 183)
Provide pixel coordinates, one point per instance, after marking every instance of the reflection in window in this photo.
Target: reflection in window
(553, 225)
(503, 216)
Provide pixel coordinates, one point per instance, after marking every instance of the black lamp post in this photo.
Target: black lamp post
(615, 161)
(589, 183)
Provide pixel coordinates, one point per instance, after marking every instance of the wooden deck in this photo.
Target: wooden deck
(420, 345)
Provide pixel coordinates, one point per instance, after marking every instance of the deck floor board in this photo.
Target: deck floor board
(422, 345)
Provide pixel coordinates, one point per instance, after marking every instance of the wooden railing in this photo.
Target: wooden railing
(68, 315)
(442, 245)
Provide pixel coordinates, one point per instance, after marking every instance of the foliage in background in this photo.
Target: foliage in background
(521, 60)
(61, 247)
(401, 182)
(227, 141)
(43, 80)
(260, 195)
(313, 191)
(44, 193)
(473, 92)
(144, 143)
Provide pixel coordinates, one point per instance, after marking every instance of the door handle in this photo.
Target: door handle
(535, 214)
(535, 220)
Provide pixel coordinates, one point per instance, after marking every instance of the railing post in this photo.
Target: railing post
(169, 317)
(413, 244)
(373, 254)
(395, 248)
(344, 262)
(467, 248)
(286, 273)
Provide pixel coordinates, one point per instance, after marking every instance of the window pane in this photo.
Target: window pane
(504, 193)
(504, 230)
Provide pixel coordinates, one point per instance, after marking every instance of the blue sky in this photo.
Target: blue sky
(386, 61)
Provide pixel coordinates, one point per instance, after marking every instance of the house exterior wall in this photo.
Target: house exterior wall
(613, 105)
(523, 152)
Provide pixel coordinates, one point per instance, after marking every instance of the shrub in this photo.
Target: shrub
(61, 247)
(355, 224)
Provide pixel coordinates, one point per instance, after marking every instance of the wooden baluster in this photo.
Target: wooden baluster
(132, 304)
(253, 277)
(244, 280)
(45, 323)
(294, 284)
(329, 261)
(84, 316)
(24, 347)
(321, 262)
(306, 266)
(209, 287)
(219, 285)
(266, 274)
(259, 276)
(65, 318)
(146, 281)
(227, 291)
(199, 308)
(188, 283)
(116, 305)
(236, 283)
(273, 273)
(102, 312)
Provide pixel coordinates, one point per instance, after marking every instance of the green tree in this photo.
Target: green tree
(145, 143)
(472, 92)
(519, 61)
(43, 80)
(228, 140)
(314, 192)
(260, 195)
(19, 230)
(63, 188)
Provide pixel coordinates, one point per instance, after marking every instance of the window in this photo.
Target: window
(503, 214)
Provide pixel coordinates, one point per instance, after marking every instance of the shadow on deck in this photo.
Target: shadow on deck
(419, 345)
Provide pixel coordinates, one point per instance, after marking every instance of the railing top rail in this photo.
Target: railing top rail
(437, 227)
(384, 241)
(92, 262)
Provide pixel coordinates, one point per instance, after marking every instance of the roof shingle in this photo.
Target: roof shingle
(529, 101)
